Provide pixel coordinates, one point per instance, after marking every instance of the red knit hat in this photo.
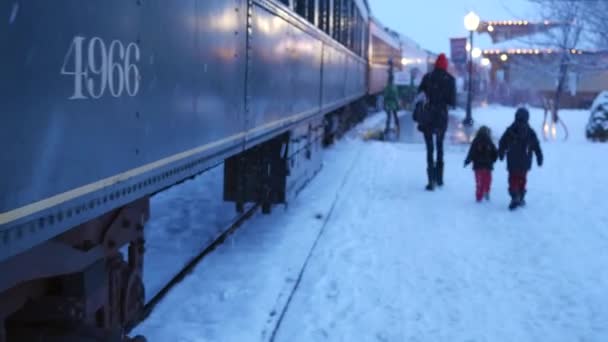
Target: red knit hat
(442, 62)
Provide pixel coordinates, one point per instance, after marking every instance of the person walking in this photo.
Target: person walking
(439, 88)
(519, 143)
(391, 104)
(483, 155)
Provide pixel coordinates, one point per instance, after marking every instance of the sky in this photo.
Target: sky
(431, 23)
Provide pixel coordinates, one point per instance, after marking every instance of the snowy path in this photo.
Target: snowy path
(395, 263)
(399, 264)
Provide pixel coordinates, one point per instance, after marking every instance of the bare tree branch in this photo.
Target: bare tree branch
(566, 39)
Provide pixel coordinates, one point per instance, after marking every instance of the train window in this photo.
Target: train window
(360, 35)
(345, 21)
(285, 2)
(325, 16)
(351, 25)
(300, 7)
(357, 33)
(366, 40)
(312, 12)
(307, 9)
(337, 29)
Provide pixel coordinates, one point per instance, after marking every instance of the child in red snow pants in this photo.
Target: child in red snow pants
(483, 181)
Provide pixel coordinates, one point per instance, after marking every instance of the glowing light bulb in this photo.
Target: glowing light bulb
(476, 52)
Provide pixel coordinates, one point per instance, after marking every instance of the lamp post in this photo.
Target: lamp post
(471, 23)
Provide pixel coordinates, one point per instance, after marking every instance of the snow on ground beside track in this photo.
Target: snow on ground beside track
(237, 293)
(400, 264)
(183, 220)
(396, 263)
(373, 122)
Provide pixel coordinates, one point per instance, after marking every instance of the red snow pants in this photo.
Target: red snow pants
(517, 181)
(483, 181)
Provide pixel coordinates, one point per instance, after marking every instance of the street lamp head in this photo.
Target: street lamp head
(476, 53)
(471, 21)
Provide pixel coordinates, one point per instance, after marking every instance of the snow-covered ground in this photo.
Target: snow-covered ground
(395, 263)
(183, 220)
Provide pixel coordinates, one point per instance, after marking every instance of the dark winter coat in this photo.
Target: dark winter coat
(482, 153)
(440, 90)
(519, 142)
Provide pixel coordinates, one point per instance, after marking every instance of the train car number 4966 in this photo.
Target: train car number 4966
(99, 69)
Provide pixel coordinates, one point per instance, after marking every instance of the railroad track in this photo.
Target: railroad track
(189, 267)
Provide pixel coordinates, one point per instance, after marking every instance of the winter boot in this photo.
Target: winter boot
(487, 196)
(522, 199)
(515, 200)
(430, 172)
(439, 170)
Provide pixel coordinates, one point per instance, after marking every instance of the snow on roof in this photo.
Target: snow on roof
(539, 41)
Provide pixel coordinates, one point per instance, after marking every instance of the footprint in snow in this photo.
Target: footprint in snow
(381, 337)
(333, 292)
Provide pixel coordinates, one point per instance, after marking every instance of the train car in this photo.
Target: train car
(105, 103)
(384, 53)
(413, 67)
(413, 63)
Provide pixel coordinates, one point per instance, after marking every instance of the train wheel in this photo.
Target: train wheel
(133, 301)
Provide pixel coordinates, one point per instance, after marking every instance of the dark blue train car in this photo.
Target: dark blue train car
(104, 103)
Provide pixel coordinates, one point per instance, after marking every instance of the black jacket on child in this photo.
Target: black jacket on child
(519, 142)
(482, 153)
